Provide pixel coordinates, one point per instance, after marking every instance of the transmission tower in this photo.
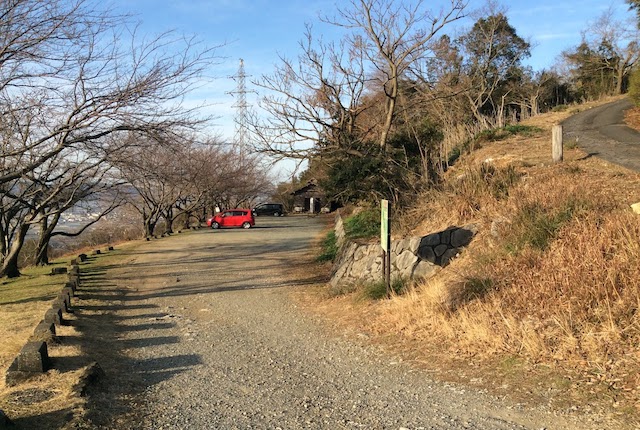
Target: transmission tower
(241, 106)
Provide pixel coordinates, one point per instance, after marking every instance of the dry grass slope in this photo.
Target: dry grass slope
(553, 278)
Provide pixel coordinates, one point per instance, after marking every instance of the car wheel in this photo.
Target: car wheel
(276, 214)
(246, 225)
(215, 225)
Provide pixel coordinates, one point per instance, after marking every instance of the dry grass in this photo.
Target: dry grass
(552, 280)
(45, 401)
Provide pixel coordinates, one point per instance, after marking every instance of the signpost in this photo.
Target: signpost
(385, 243)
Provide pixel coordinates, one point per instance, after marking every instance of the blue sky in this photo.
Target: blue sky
(259, 30)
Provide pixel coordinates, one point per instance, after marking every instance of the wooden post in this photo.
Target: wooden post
(385, 243)
(556, 144)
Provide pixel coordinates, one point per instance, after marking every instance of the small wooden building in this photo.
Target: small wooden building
(310, 199)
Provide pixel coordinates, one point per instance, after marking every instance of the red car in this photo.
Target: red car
(232, 218)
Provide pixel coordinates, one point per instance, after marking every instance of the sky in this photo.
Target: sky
(258, 31)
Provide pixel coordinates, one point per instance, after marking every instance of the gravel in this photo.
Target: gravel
(209, 338)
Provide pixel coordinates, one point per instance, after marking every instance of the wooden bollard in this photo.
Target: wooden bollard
(33, 357)
(556, 144)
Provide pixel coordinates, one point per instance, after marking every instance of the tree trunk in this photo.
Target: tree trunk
(187, 217)
(10, 261)
(168, 220)
(42, 249)
(149, 227)
(46, 229)
(392, 96)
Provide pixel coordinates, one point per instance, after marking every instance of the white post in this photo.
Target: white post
(556, 144)
(311, 205)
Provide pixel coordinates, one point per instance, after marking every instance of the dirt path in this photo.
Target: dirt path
(198, 331)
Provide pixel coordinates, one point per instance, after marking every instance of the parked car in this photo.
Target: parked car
(232, 218)
(275, 209)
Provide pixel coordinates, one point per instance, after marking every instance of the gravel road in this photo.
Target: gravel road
(208, 337)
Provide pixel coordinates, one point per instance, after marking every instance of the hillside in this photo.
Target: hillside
(543, 304)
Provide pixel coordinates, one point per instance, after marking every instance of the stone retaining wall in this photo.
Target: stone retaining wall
(411, 258)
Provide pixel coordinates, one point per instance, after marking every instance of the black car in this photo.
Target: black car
(275, 209)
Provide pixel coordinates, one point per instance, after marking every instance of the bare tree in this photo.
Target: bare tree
(317, 105)
(68, 81)
(608, 51)
(392, 36)
(311, 105)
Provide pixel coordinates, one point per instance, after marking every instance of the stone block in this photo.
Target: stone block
(68, 291)
(405, 262)
(445, 237)
(34, 357)
(97, 252)
(58, 270)
(461, 237)
(65, 298)
(44, 332)
(427, 253)
(449, 255)
(636, 208)
(424, 270)
(440, 250)
(431, 240)
(61, 303)
(54, 316)
(83, 257)
(111, 248)
(73, 282)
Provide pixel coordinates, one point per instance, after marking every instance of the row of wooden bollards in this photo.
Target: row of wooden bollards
(33, 358)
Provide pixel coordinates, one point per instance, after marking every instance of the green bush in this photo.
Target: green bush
(363, 225)
(378, 290)
(329, 247)
(502, 133)
(634, 87)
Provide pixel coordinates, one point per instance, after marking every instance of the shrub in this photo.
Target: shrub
(378, 290)
(502, 133)
(363, 225)
(634, 87)
(329, 247)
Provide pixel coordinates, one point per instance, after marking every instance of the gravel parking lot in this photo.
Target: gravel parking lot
(200, 332)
